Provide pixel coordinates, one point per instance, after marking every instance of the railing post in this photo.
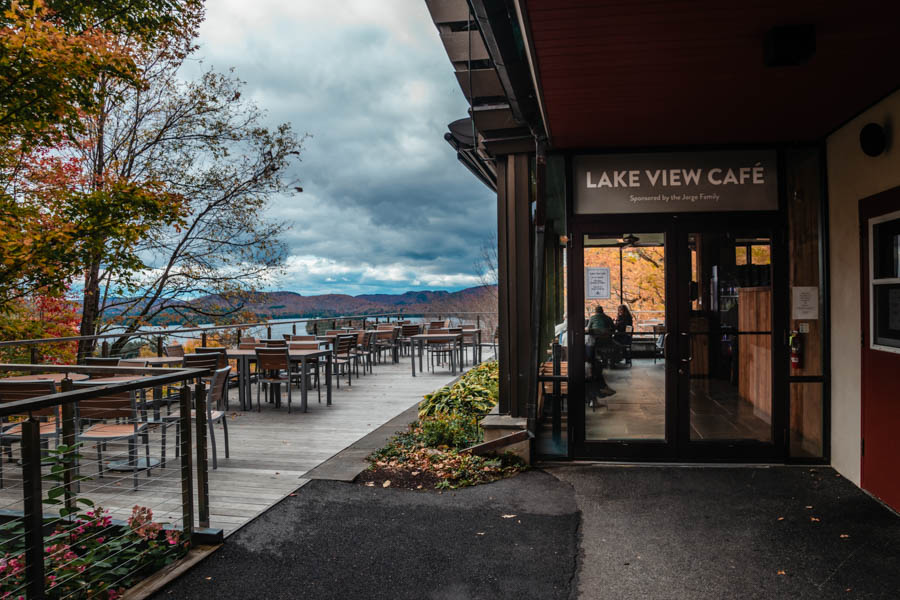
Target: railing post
(269, 332)
(294, 329)
(202, 463)
(34, 514)
(159, 345)
(240, 333)
(203, 339)
(70, 475)
(187, 474)
(104, 349)
(477, 321)
(34, 358)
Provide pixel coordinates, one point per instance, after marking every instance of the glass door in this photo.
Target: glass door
(620, 316)
(726, 344)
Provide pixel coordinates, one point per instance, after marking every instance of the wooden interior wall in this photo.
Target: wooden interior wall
(514, 282)
(755, 351)
(805, 198)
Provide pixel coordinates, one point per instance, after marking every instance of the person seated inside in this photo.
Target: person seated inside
(624, 327)
(600, 329)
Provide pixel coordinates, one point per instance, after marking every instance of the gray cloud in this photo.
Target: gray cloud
(386, 206)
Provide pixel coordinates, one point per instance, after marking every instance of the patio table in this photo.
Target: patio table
(420, 339)
(54, 377)
(245, 356)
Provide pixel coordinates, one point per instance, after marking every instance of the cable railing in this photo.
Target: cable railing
(104, 494)
(151, 341)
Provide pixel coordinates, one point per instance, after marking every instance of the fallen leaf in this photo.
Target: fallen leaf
(387, 483)
(781, 572)
(808, 507)
(208, 578)
(815, 519)
(781, 518)
(507, 516)
(844, 536)
(370, 484)
(292, 495)
(419, 487)
(479, 533)
(414, 473)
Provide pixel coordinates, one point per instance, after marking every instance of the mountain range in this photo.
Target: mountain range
(284, 305)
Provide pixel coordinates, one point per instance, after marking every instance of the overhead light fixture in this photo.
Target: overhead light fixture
(789, 45)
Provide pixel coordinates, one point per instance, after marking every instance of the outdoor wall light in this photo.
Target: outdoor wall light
(873, 139)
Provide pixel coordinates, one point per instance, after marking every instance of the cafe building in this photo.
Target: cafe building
(723, 181)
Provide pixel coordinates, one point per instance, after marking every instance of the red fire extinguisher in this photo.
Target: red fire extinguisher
(796, 350)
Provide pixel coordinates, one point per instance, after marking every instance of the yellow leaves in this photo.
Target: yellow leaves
(780, 572)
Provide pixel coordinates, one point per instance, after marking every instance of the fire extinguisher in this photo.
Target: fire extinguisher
(796, 350)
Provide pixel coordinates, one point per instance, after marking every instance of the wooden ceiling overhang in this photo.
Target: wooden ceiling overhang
(652, 73)
(484, 46)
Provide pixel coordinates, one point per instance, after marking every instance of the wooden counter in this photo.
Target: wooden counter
(755, 351)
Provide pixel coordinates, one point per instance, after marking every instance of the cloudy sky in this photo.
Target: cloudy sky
(386, 206)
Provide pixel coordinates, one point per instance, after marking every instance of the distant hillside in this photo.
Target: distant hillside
(286, 305)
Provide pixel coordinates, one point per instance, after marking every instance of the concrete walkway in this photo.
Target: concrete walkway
(573, 531)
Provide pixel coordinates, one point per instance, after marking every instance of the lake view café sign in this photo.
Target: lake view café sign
(677, 182)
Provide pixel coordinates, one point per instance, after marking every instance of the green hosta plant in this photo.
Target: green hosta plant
(473, 395)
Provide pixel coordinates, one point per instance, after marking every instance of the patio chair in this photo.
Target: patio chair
(10, 391)
(174, 350)
(248, 340)
(273, 366)
(216, 411)
(112, 407)
(316, 363)
(406, 332)
(132, 362)
(100, 361)
(365, 349)
(208, 360)
(343, 358)
(387, 340)
(276, 343)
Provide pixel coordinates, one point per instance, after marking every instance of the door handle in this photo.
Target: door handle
(690, 348)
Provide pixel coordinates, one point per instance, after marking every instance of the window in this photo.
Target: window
(884, 259)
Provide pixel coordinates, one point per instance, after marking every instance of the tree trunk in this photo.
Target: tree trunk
(90, 310)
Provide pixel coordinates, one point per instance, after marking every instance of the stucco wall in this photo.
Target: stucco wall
(852, 176)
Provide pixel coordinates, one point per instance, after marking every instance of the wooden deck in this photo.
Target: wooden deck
(270, 450)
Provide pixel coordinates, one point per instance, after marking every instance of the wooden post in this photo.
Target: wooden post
(240, 333)
(35, 359)
(104, 349)
(294, 329)
(202, 462)
(203, 340)
(187, 468)
(159, 345)
(34, 513)
(269, 332)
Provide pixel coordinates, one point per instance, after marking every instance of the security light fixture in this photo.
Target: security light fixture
(873, 139)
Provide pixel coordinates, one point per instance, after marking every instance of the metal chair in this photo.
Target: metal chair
(175, 350)
(111, 407)
(10, 391)
(273, 366)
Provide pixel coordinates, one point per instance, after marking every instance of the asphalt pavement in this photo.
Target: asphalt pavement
(575, 531)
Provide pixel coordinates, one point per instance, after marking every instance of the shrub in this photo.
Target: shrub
(475, 394)
(453, 431)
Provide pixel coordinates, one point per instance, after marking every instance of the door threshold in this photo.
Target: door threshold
(674, 464)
